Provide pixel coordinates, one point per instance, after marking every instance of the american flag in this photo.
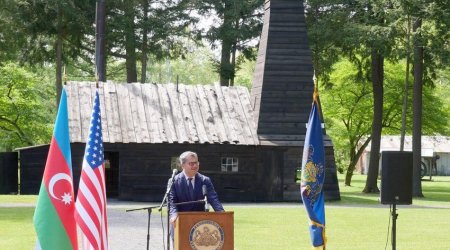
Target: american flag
(90, 207)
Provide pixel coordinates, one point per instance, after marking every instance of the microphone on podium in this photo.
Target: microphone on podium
(170, 182)
(174, 172)
(205, 194)
(169, 187)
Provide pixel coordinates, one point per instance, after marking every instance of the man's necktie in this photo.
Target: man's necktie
(191, 188)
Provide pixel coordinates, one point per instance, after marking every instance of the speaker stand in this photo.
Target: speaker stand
(394, 225)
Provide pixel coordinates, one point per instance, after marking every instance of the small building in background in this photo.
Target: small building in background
(147, 126)
(435, 153)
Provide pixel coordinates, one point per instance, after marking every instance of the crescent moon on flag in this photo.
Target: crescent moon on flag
(56, 178)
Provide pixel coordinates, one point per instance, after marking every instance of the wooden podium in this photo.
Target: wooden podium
(204, 231)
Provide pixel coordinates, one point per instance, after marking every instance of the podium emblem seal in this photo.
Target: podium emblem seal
(206, 235)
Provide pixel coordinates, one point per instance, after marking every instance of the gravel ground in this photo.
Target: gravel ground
(128, 230)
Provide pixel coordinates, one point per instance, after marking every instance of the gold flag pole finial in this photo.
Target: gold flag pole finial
(64, 75)
(316, 89)
(96, 79)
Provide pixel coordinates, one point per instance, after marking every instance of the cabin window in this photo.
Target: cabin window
(230, 164)
(174, 163)
(107, 164)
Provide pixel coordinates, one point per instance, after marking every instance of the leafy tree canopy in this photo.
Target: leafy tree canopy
(347, 102)
(24, 108)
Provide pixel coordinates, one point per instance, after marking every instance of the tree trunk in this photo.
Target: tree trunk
(144, 43)
(225, 65)
(377, 83)
(405, 90)
(233, 55)
(417, 110)
(354, 159)
(351, 167)
(130, 43)
(233, 64)
(227, 43)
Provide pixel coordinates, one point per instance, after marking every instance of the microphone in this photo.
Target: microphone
(169, 183)
(169, 187)
(174, 172)
(205, 194)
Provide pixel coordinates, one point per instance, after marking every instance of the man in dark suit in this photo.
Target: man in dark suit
(188, 186)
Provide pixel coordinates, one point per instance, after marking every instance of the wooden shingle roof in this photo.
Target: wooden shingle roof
(163, 113)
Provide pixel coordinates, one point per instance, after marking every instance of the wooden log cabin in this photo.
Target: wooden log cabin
(249, 143)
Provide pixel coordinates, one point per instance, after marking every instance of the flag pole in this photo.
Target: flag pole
(100, 39)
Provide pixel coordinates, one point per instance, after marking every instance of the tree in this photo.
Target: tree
(347, 103)
(24, 108)
(431, 52)
(55, 31)
(12, 35)
(143, 29)
(238, 23)
(323, 18)
(194, 68)
(417, 111)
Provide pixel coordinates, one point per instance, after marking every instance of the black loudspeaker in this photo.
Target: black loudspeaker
(396, 177)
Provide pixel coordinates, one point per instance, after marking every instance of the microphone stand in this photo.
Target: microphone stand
(205, 200)
(149, 210)
(166, 200)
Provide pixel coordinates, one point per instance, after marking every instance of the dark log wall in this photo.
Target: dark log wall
(282, 85)
(143, 170)
(32, 164)
(292, 161)
(331, 185)
(8, 173)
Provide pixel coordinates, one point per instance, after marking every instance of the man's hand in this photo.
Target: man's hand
(173, 220)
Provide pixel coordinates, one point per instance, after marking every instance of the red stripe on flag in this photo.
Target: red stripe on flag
(58, 182)
(91, 206)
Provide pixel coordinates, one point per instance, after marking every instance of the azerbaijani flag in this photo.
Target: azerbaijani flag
(313, 175)
(54, 215)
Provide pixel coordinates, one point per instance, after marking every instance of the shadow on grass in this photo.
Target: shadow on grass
(434, 196)
(352, 200)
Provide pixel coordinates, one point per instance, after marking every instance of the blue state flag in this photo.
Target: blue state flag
(313, 175)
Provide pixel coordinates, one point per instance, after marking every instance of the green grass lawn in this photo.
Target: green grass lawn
(358, 221)
(16, 228)
(347, 228)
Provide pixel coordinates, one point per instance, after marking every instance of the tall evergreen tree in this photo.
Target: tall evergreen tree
(238, 23)
(138, 29)
(55, 30)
